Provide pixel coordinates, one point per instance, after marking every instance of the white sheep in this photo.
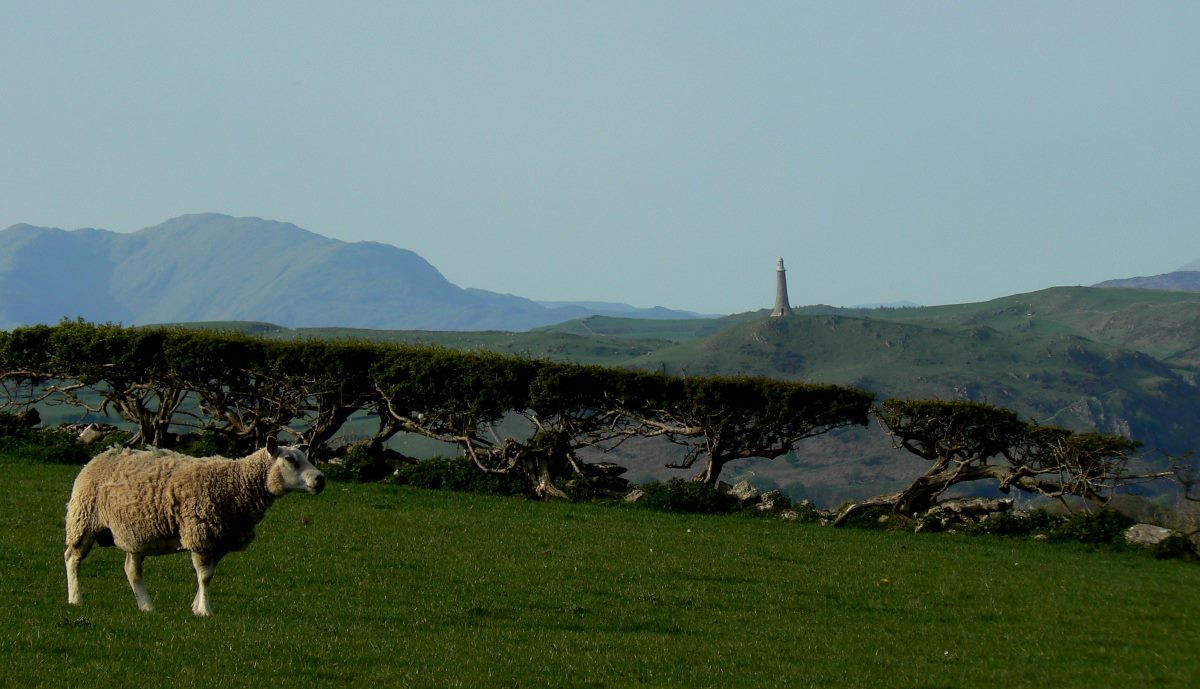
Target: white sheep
(154, 502)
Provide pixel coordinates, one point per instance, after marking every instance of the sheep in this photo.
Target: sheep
(154, 502)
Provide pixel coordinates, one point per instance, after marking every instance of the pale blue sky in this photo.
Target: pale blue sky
(654, 153)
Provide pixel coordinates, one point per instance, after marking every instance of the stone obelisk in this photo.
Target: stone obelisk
(782, 307)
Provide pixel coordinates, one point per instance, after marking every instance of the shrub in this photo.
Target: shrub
(358, 464)
(50, 445)
(1101, 527)
(209, 443)
(806, 513)
(457, 474)
(12, 425)
(1015, 524)
(693, 497)
(1175, 547)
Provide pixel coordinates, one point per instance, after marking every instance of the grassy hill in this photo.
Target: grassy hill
(1165, 325)
(374, 585)
(1052, 377)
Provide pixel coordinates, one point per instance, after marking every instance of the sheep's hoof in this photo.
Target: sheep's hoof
(146, 607)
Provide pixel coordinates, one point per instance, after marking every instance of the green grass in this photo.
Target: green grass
(374, 585)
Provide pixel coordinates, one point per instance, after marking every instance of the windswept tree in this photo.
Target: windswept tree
(572, 407)
(25, 366)
(970, 441)
(506, 414)
(240, 391)
(125, 367)
(329, 381)
(721, 420)
(1059, 463)
(459, 398)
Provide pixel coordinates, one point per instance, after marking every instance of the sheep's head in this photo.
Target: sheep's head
(292, 471)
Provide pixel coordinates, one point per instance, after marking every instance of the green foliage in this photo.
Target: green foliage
(1175, 547)
(358, 464)
(210, 443)
(970, 441)
(12, 425)
(806, 512)
(963, 431)
(879, 517)
(1015, 524)
(689, 497)
(41, 445)
(1098, 527)
(457, 474)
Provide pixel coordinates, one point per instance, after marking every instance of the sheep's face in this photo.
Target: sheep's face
(293, 471)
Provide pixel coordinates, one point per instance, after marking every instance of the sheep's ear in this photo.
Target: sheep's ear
(272, 445)
(303, 447)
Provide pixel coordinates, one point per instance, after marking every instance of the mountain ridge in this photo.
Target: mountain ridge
(214, 267)
(1178, 281)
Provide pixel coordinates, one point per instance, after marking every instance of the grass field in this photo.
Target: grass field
(374, 585)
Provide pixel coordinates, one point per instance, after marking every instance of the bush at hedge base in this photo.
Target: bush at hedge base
(692, 497)
(458, 474)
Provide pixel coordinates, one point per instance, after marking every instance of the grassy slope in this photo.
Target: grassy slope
(1076, 357)
(596, 340)
(370, 585)
(1164, 325)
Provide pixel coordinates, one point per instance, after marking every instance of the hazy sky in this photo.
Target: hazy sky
(654, 153)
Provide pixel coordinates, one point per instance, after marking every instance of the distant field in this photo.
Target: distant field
(1165, 325)
(373, 585)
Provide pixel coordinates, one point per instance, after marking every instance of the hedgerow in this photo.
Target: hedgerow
(232, 391)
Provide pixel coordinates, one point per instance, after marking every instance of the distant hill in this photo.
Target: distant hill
(211, 267)
(1115, 360)
(1179, 281)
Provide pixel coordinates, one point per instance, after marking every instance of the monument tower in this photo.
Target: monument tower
(782, 307)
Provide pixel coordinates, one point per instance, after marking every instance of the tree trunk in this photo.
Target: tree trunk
(888, 500)
(324, 427)
(924, 492)
(712, 471)
(537, 467)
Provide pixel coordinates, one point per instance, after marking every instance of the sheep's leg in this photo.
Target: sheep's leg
(133, 572)
(72, 557)
(205, 564)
